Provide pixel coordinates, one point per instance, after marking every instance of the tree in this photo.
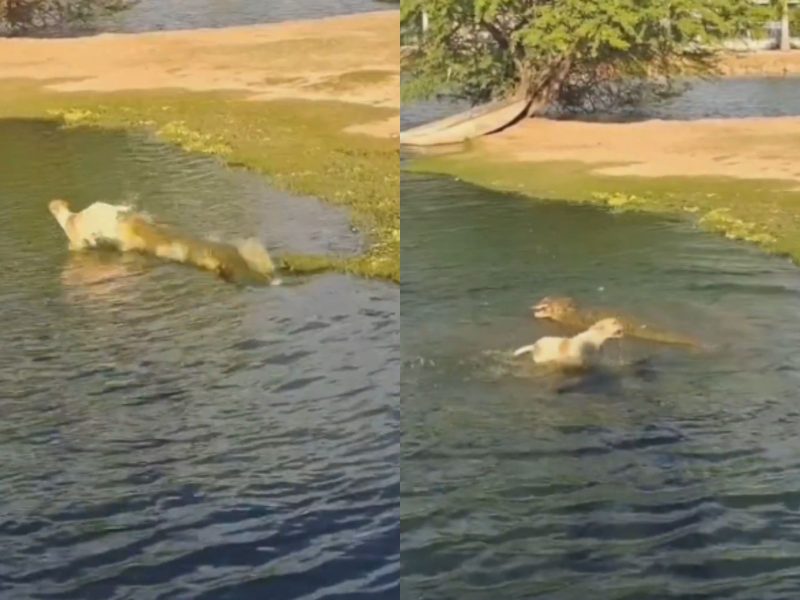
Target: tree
(18, 17)
(578, 54)
(786, 38)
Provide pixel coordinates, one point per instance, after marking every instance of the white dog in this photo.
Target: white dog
(575, 351)
(94, 225)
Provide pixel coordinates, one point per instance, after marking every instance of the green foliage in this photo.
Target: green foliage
(19, 17)
(581, 54)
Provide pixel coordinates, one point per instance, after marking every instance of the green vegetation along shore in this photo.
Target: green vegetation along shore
(761, 211)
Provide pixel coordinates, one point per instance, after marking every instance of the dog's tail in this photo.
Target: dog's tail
(257, 258)
(524, 349)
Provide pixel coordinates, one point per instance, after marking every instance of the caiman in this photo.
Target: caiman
(565, 311)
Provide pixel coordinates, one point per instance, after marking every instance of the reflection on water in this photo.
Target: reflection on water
(665, 474)
(165, 434)
(100, 276)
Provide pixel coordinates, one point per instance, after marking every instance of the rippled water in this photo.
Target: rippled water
(167, 435)
(662, 475)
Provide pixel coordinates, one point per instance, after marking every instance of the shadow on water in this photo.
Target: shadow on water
(664, 474)
(165, 434)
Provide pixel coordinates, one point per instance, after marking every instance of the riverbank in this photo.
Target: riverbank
(761, 63)
(734, 176)
(313, 105)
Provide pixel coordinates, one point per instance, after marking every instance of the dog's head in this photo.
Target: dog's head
(609, 328)
(553, 307)
(60, 211)
(59, 208)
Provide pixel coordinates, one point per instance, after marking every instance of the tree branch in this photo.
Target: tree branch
(497, 34)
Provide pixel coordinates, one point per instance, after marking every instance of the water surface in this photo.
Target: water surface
(661, 475)
(719, 98)
(167, 435)
(164, 15)
(723, 99)
(154, 15)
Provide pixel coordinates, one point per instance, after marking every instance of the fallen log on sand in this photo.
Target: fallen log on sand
(482, 120)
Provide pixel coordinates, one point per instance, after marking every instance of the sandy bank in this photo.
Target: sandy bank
(756, 148)
(767, 63)
(349, 59)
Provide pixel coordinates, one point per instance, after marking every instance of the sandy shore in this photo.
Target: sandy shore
(768, 63)
(756, 148)
(352, 59)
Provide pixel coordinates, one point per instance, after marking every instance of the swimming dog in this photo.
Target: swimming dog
(565, 311)
(575, 351)
(97, 224)
(127, 230)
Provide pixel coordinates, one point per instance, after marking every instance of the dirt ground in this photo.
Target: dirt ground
(756, 148)
(352, 59)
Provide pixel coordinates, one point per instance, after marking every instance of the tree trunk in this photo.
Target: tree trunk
(543, 95)
(537, 108)
(786, 39)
